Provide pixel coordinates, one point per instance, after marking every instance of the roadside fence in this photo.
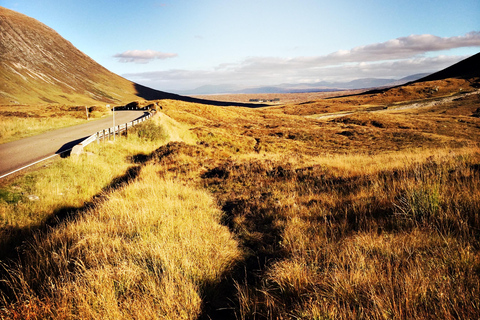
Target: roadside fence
(107, 133)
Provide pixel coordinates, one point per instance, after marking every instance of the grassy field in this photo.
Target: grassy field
(235, 213)
(24, 121)
(283, 98)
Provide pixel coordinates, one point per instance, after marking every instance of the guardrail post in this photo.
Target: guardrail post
(112, 131)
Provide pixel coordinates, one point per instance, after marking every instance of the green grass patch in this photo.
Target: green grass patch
(9, 196)
(149, 131)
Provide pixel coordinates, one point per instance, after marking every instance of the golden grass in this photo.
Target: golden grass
(284, 98)
(369, 226)
(147, 252)
(398, 243)
(69, 183)
(19, 122)
(372, 215)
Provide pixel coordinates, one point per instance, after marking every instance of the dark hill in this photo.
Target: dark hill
(465, 69)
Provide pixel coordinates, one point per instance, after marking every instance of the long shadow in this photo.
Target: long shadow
(64, 150)
(152, 94)
(144, 115)
(17, 239)
(65, 214)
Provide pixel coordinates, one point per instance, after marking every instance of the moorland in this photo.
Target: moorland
(258, 213)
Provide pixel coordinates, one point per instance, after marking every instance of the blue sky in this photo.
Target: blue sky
(174, 45)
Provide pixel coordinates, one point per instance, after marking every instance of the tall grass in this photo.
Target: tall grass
(315, 223)
(382, 223)
(396, 243)
(147, 252)
(70, 182)
(74, 181)
(145, 246)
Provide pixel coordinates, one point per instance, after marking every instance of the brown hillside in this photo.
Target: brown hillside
(37, 65)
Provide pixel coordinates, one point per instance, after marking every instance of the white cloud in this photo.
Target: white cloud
(145, 56)
(403, 47)
(244, 77)
(394, 58)
(395, 49)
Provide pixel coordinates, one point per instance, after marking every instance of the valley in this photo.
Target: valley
(360, 204)
(306, 217)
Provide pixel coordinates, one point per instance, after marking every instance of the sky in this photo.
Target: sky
(176, 45)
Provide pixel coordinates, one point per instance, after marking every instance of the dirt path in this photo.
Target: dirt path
(413, 105)
(431, 103)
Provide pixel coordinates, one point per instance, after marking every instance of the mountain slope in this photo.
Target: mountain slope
(465, 69)
(460, 76)
(38, 66)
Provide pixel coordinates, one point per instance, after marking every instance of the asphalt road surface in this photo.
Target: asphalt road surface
(18, 154)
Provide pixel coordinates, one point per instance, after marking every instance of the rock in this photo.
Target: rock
(33, 197)
(77, 150)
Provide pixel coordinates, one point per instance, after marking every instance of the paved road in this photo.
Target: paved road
(18, 154)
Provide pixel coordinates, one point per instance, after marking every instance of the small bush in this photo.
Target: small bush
(420, 203)
(150, 131)
(9, 197)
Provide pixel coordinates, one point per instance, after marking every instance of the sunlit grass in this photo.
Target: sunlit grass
(22, 121)
(147, 252)
(261, 215)
(18, 128)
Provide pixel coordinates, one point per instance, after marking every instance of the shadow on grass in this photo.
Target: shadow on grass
(68, 213)
(14, 240)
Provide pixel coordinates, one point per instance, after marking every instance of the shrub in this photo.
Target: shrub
(150, 131)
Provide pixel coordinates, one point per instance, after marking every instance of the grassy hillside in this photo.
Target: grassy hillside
(40, 67)
(237, 213)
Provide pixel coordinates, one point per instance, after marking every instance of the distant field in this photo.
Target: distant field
(285, 98)
(258, 213)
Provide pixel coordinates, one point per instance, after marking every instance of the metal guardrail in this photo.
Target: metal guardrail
(77, 149)
(107, 133)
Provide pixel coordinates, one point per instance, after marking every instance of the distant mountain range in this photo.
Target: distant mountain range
(366, 83)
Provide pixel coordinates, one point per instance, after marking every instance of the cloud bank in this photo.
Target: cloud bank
(394, 58)
(146, 56)
(403, 47)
